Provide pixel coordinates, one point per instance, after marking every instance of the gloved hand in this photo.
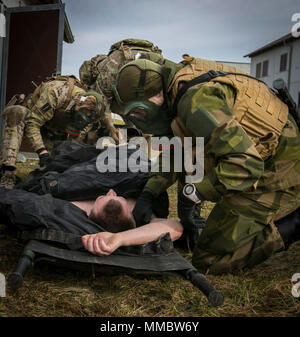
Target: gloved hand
(188, 239)
(142, 211)
(191, 220)
(44, 160)
(185, 209)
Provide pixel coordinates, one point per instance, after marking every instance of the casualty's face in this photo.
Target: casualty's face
(102, 200)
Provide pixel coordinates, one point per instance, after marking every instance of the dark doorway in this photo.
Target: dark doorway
(32, 50)
(32, 54)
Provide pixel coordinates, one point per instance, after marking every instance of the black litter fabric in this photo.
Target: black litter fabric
(73, 168)
(73, 174)
(29, 211)
(168, 261)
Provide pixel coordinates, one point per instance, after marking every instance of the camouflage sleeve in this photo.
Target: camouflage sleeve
(53, 95)
(237, 164)
(206, 111)
(160, 180)
(105, 114)
(105, 117)
(107, 121)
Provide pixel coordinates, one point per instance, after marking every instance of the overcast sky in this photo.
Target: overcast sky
(222, 30)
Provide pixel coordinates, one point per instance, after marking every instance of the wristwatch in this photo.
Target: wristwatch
(190, 191)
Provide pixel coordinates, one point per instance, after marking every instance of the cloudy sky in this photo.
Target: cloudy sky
(222, 30)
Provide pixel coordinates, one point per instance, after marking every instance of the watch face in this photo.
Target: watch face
(189, 189)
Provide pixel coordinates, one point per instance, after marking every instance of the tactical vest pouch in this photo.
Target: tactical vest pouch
(68, 79)
(95, 62)
(88, 70)
(134, 44)
(17, 99)
(85, 72)
(258, 110)
(194, 67)
(72, 80)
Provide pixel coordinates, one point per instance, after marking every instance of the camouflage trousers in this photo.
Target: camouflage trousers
(12, 134)
(240, 230)
(14, 128)
(13, 118)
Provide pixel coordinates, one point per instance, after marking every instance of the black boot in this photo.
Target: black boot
(289, 228)
(8, 177)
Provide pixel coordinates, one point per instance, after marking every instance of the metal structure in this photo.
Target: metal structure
(52, 29)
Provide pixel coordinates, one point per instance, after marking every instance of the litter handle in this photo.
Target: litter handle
(214, 296)
(16, 278)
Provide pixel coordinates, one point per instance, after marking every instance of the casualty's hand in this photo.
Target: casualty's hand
(142, 211)
(103, 243)
(114, 134)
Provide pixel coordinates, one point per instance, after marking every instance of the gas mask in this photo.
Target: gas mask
(80, 118)
(136, 82)
(147, 116)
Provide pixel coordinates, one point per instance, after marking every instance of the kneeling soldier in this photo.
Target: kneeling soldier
(60, 108)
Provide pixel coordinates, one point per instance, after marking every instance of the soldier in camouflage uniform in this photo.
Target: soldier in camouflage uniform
(60, 108)
(100, 73)
(251, 148)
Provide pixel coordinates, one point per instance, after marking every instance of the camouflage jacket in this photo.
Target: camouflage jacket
(50, 109)
(101, 71)
(232, 163)
(109, 67)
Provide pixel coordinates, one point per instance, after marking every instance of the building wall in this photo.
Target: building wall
(295, 72)
(13, 3)
(292, 74)
(1, 42)
(8, 3)
(243, 66)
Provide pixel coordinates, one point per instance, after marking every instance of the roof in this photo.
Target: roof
(283, 40)
(237, 62)
(68, 35)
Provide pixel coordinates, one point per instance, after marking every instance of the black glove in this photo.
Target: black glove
(160, 205)
(188, 239)
(142, 211)
(192, 222)
(186, 210)
(44, 160)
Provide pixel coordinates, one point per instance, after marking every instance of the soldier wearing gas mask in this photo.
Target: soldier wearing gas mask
(59, 109)
(147, 109)
(251, 155)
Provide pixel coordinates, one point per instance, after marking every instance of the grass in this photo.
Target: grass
(52, 291)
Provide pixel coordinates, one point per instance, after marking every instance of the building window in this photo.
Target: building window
(283, 62)
(258, 70)
(265, 68)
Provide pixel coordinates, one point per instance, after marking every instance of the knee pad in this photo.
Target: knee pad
(14, 114)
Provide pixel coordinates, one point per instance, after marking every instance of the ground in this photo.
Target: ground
(52, 291)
